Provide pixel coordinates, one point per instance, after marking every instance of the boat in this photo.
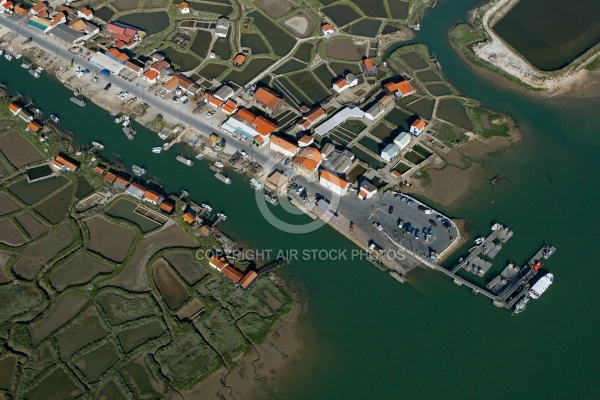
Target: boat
(548, 251)
(541, 286)
(1, 52)
(199, 156)
(26, 65)
(39, 69)
(272, 200)
(157, 150)
(163, 136)
(496, 226)
(397, 276)
(139, 171)
(223, 178)
(184, 161)
(98, 145)
(495, 179)
(207, 207)
(54, 118)
(78, 101)
(34, 73)
(128, 131)
(8, 56)
(256, 185)
(522, 305)
(480, 240)
(218, 164)
(18, 55)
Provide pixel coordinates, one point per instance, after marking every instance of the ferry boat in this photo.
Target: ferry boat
(98, 145)
(54, 118)
(139, 171)
(541, 286)
(184, 161)
(128, 131)
(34, 73)
(522, 305)
(157, 150)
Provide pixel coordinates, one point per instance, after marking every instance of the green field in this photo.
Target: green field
(120, 307)
(133, 337)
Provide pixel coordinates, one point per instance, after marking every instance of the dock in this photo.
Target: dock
(489, 247)
(167, 146)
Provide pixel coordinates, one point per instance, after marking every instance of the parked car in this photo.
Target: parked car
(432, 222)
(175, 99)
(400, 223)
(428, 211)
(379, 227)
(209, 114)
(243, 153)
(410, 201)
(391, 209)
(417, 233)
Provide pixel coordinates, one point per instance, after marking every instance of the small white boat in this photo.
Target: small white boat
(25, 65)
(479, 240)
(39, 69)
(156, 150)
(18, 55)
(35, 74)
(199, 156)
(163, 136)
(184, 161)
(207, 207)
(218, 164)
(54, 118)
(98, 145)
(8, 56)
(1, 52)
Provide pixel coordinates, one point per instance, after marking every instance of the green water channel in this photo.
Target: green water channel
(366, 335)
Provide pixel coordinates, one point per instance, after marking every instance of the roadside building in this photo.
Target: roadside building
(232, 274)
(327, 150)
(189, 218)
(283, 146)
(106, 62)
(417, 127)
(67, 34)
(167, 207)
(121, 182)
(375, 111)
(117, 55)
(333, 182)
(85, 27)
(229, 107)
(311, 118)
(306, 141)
(327, 29)
(366, 190)
(184, 7)
(307, 162)
(399, 89)
(402, 140)
(246, 123)
(14, 108)
(20, 10)
(239, 59)
(268, 99)
(133, 68)
(85, 13)
(340, 161)
(340, 85)
(369, 67)
(222, 27)
(65, 164)
(6, 7)
(39, 7)
(180, 81)
(110, 177)
(212, 100)
(224, 93)
(25, 116)
(276, 183)
(389, 152)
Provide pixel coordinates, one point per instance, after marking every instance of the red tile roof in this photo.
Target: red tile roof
(369, 66)
(333, 178)
(151, 195)
(86, 11)
(166, 207)
(151, 74)
(20, 10)
(14, 107)
(99, 169)
(246, 114)
(38, 7)
(70, 166)
(110, 177)
(232, 274)
(403, 87)
(248, 279)
(327, 27)
(239, 59)
(189, 218)
(114, 52)
(419, 124)
(267, 97)
(264, 126)
(284, 144)
(218, 263)
(34, 127)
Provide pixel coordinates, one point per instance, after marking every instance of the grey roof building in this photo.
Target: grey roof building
(68, 34)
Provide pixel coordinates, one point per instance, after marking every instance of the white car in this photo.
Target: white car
(243, 153)
(184, 99)
(209, 114)
(428, 211)
(124, 95)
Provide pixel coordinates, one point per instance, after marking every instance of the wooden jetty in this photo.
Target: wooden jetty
(489, 247)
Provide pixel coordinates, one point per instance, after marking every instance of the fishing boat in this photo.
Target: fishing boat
(479, 241)
(272, 200)
(34, 73)
(218, 164)
(139, 171)
(54, 118)
(223, 178)
(184, 161)
(256, 185)
(39, 69)
(207, 207)
(541, 286)
(128, 131)
(98, 145)
(199, 156)
(25, 65)
(157, 150)
(8, 56)
(522, 305)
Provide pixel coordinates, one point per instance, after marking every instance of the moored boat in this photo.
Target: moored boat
(254, 184)
(54, 118)
(128, 131)
(26, 65)
(184, 161)
(272, 200)
(139, 171)
(78, 101)
(223, 178)
(522, 305)
(157, 150)
(98, 145)
(199, 156)
(218, 164)
(34, 73)
(541, 286)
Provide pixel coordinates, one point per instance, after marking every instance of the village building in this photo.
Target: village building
(87, 28)
(311, 118)
(110, 177)
(157, 69)
(307, 162)
(105, 62)
(268, 99)
(283, 146)
(369, 67)
(121, 183)
(276, 183)
(189, 218)
(239, 59)
(133, 68)
(14, 108)
(327, 29)
(85, 13)
(117, 55)
(34, 127)
(68, 34)
(6, 7)
(100, 169)
(248, 279)
(305, 141)
(333, 182)
(63, 164)
(399, 89)
(222, 265)
(350, 112)
(136, 190)
(184, 7)
(167, 207)
(222, 27)
(402, 140)
(389, 152)
(20, 10)
(246, 123)
(375, 111)
(339, 161)
(229, 107)
(417, 127)
(152, 197)
(180, 81)
(224, 93)
(344, 83)
(366, 190)
(25, 116)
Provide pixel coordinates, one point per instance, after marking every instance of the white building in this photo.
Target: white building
(350, 112)
(333, 183)
(222, 27)
(282, 146)
(375, 111)
(390, 151)
(417, 127)
(402, 140)
(366, 190)
(105, 62)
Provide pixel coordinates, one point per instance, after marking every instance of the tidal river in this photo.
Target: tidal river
(369, 337)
